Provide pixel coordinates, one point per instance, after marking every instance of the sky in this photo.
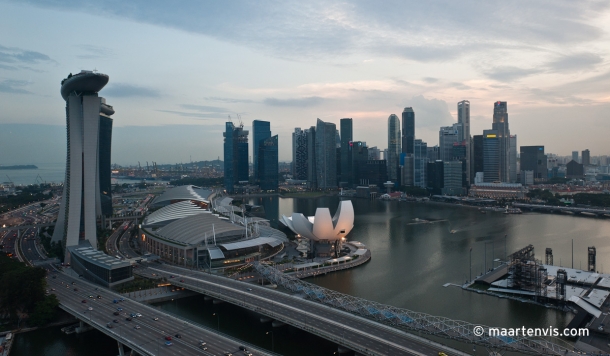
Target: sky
(178, 69)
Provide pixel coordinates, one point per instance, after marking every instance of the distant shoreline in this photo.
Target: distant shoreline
(19, 166)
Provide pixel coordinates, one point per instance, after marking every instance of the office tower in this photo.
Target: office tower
(460, 154)
(235, 155)
(575, 170)
(89, 130)
(261, 130)
(575, 156)
(408, 130)
(586, 158)
(312, 176)
(452, 178)
(500, 125)
(477, 154)
(420, 161)
(433, 153)
(373, 172)
(436, 177)
(533, 159)
(491, 156)
(374, 153)
(407, 165)
(268, 171)
(360, 156)
(394, 144)
(326, 154)
(299, 154)
(347, 136)
(512, 158)
(447, 136)
(463, 110)
(105, 148)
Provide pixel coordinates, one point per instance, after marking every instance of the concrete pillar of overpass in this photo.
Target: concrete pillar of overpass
(342, 350)
(121, 351)
(81, 324)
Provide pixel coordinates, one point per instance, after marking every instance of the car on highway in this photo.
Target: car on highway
(76, 289)
(228, 354)
(84, 301)
(109, 326)
(116, 313)
(138, 315)
(99, 296)
(89, 308)
(202, 343)
(136, 327)
(90, 296)
(168, 343)
(168, 337)
(249, 289)
(128, 318)
(119, 309)
(133, 315)
(155, 318)
(178, 336)
(115, 321)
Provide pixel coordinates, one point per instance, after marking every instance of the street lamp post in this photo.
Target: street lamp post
(470, 280)
(218, 320)
(272, 340)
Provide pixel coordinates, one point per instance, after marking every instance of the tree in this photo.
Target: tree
(45, 311)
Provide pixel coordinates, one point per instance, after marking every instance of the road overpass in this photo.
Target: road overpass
(600, 212)
(364, 336)
(149, 338)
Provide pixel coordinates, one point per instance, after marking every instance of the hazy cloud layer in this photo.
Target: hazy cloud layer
(296, 102)
(14, 86)
(124, 90)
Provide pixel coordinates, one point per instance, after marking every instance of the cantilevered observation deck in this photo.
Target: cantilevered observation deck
(83, 82)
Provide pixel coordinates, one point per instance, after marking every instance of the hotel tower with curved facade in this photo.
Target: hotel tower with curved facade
(86, 192)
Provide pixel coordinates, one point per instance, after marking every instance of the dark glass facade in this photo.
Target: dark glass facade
(235, 155)
(491, 156)
(261, 130)
(534, 159)
(373, 172)
(268, 164)
(104, 170)
(408, 130)
(477, 148)
(347, 136)
(436, 177)
(360, 156)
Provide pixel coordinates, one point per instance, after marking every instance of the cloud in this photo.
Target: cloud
(575, 62)
(94, 52)
(509, 73)
(229, 100)
(127, 91)
(430, 80)
(430, 113)
(328, 31)
(204, 108)
(297, 102)
(197, 115)
(18, 55)
(14, 86)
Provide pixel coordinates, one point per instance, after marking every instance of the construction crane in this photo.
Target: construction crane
(147, 170)
(38, 177)
(241, 123)
(9, 179)
(139, 166)
(230, 119)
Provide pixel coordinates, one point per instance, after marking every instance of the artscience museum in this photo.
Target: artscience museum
(325, 233)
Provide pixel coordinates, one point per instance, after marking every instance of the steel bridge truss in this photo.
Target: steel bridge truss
(414, 321)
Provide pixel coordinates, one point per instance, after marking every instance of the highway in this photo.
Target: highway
(150, 337)
(348, 330)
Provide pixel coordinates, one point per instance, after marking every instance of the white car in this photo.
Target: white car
(138, 315)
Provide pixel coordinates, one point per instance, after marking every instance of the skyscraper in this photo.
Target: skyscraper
(235, 155)
(312, 176)
(268, 171)
(394, 139)
(463, 109)
(420, 161)
(477, 154)
(347, 136)
(533, 159)
(500, 125)
(105, 149)
(89, 129)
(360, 155)
(326, 154)
(575, 156)
(586, 158)
(447, 136)
(261, 130)
(491, 156)
(408, 130)
(299, 154)
(512, 159)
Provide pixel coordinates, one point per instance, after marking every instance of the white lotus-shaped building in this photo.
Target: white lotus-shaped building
(322, 227)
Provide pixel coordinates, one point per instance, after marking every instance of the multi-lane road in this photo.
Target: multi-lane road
(348, 330)
(147, 334)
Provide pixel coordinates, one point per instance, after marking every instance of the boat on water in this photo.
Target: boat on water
(452, 231)
(512, 210)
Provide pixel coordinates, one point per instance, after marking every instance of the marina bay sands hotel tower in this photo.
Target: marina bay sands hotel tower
(87, 187)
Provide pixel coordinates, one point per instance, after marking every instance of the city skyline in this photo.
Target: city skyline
(198, 76)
